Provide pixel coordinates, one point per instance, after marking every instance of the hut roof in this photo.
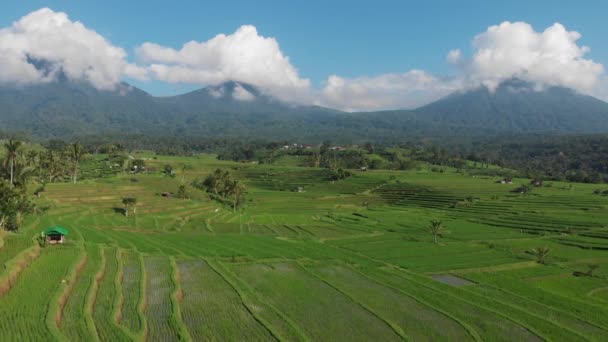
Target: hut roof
(56, 230)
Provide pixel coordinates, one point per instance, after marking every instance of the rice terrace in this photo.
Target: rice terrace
(352, 259)
(303, 171)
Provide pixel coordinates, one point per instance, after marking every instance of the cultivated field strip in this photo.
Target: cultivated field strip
(132, 294)
(162, 325)
(105, 305)
(212, 310)
(24, 309)
(490, 317)
(413, 320)
(75, 322)
(482, 322)
(290, 289)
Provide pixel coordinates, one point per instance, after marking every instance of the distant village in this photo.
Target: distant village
(305, 146)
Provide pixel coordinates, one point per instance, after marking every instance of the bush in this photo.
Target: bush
(339, 174)
(524, 189)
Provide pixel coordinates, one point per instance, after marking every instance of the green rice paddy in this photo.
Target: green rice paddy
(341, 260)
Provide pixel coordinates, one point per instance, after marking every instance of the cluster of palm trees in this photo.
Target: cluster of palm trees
(223, 187)
(47, 165)
(14, 203)
(20, 165)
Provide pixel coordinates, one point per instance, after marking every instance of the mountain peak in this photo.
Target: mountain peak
(520, 106)
(234, 90)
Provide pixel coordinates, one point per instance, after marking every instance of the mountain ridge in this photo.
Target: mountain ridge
(237, 109)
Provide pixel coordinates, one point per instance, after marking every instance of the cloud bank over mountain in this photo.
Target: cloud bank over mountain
(243, 56)
(45, 45)
(503, 52)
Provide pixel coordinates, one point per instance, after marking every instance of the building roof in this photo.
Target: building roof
(56, 230)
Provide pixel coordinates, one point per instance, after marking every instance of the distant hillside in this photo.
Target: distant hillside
(233, 109)
(515, 107)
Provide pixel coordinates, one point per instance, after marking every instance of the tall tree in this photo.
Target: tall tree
(591, 268)
(237, 189)
(128, 202)
(14, 204)
(75, 152)
(13, 148)
(541, 254)
(437, 229)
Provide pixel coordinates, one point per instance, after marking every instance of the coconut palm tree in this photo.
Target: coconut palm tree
(127, 202)
(437, 229)
(54, 165)
(75, 153)
(13, 148)
(22, 175)
(541, 254)
(237, 189)
(591, 268)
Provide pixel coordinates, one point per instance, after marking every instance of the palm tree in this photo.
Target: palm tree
(129, 201)
(183, 173)
(591, 268)
(168, 171)
(437, 229)
(22, 175)
(12, 152)
(54, 165)
(75, 152)
(541, 254)
(237, 189)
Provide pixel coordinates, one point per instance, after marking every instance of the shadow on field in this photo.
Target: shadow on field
(118, 210)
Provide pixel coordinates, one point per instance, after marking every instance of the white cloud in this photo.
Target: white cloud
(548, 58)
(241, 94)
(45, 44)
(505, 51)
(216, 92)
(454, 57)
(242, 56)
(387, 91)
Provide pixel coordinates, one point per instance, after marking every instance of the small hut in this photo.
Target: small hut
(55, 235)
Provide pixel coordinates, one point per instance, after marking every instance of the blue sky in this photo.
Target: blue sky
(321, 38)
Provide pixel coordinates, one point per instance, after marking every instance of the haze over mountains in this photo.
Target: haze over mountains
(65, 109)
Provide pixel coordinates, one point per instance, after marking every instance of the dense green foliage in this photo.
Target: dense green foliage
(577, 158)
(67, 110)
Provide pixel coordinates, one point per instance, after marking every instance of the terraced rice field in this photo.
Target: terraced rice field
(345, 260)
